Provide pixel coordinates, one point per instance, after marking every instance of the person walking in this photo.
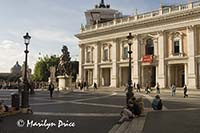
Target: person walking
(51, 89)
(185, 91)
(173, 88)
(147, 89)
(157, 88)
(81, 86)
(138, 87)
(95, 86)
(84, 85)
(134, 86)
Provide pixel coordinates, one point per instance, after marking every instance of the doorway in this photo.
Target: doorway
(149, 75)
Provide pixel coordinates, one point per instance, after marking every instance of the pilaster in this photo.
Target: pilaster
(191, 57)
(81, 62)
(169, 75)
(96, 59)
(114, 70)
(161, 55)
(135, 59)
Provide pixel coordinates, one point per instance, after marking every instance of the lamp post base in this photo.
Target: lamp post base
(129, 95)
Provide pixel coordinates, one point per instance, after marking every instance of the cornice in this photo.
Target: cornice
(140, 24)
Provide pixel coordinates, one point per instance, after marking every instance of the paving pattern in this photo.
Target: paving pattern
(98, 112)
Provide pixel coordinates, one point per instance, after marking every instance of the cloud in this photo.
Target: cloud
(8, 44)
(57, 36)
(10, 52)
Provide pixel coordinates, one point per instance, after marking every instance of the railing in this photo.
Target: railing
(165, 10)
(162, 11)
(196, 4)
(174, 8)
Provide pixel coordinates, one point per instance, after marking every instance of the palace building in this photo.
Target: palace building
(166, 46)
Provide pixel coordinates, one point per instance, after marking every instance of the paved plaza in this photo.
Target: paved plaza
(98, 112)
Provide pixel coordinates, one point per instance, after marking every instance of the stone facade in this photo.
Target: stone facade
(166, 48)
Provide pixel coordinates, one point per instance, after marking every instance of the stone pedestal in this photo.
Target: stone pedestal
(52, 77)
(64, 82)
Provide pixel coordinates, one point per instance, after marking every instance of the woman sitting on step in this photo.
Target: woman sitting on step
(134, 108)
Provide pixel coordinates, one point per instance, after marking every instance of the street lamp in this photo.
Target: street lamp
(25, 92)
(129, 94)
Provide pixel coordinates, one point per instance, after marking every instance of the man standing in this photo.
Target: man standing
(158, 88)
(51, 89)
(173, 87)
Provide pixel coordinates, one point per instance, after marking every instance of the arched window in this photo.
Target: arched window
(177, 44)
(149, 47)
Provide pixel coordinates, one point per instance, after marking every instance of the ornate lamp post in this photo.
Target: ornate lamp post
(129, 94)
(25, 93)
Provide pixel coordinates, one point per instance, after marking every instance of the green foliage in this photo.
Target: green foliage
(41, 71)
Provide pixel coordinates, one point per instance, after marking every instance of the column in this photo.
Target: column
(186, 71)
(135, 59)
(181, 43)
(85, 54)
(114, 70)
(191, 57)
(169, 75)
(81, 62)
(161, 64)
(171, 46)
(120, 79)
(100, 77)
(92, 55)
(142, 74)
(102, 48)
(96, 59)
(198, 67)
(109, 52)
(155, 43)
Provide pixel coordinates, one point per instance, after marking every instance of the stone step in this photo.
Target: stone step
(134, 126)
(123, 127)
(120, 128)
(115, 128)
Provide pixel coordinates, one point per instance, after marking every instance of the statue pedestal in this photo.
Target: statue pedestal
(64, 82)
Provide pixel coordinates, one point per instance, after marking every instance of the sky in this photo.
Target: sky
(52, 24)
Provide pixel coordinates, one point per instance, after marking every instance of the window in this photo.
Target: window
(177, 44)
(105, 54)
(125, 53)
(149, 47)
(176, 47)
(88, 56)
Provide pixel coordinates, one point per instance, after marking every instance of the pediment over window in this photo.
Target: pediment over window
(176, 34)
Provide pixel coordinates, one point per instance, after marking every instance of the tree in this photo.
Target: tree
(41, 71)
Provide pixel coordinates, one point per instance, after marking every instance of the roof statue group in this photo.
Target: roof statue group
(64, 64)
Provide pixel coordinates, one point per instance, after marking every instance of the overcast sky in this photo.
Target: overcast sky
(51, 24)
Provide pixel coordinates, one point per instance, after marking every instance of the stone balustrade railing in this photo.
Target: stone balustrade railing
(160, 12)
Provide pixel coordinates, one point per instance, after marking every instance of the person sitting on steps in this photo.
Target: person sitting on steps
(157, 103)
(134, 108)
